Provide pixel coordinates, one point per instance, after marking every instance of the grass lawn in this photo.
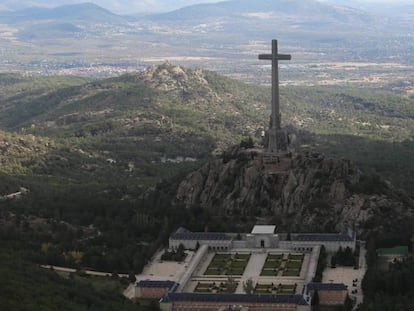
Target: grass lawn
(263, 288)
(245, 257)
(222, 257)
(261, 291)
(239, 263)
(266, 272)
(228, 264)
(296, 256)
(216, 265)
(203, 288)
(215, 288)
(211, 271)
(287, 289)
(272, 264)
(274, 257)
(275, 289)
(235, 272)
(294, 264)
(291, 272)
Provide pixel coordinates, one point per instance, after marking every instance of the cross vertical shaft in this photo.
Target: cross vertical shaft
(275, 145)
(275, 86)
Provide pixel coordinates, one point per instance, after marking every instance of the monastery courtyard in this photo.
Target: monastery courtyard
(271, 271)
(261, 269)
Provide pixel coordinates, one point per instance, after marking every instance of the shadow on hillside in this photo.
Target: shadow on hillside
(392, 160)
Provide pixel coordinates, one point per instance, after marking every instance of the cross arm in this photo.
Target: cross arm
(279, 56)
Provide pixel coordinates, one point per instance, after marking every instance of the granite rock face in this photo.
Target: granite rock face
(301, 192)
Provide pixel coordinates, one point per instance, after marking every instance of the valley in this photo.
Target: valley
(360, 48)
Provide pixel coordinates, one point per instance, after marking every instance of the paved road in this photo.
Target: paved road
(363, 267)
(89, 272)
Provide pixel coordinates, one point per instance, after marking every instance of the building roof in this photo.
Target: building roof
(327, 286)
(184, 234)
(328, 237)
(393, 251)
(156, 284)
(235, 298)
(261, 229)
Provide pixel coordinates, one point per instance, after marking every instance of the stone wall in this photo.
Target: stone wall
(192, 244)
(150, 292)
(332, 297)
(198, 257)
(214, 306)
(307, 246)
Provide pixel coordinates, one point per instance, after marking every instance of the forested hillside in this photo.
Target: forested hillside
(27, 287)
(128, 124)
(78, 155)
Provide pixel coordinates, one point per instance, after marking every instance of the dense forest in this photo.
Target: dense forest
(389, 289)
(25, 286)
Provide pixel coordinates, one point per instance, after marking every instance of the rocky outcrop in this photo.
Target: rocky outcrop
(303, 192)
(15, 195)
(169, 77)
(189, 85)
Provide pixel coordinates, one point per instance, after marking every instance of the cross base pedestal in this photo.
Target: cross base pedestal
(277, 142)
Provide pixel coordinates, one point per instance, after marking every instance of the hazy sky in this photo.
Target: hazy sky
(134, 6)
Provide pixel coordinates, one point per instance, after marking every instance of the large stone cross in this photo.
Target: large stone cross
(275, 145)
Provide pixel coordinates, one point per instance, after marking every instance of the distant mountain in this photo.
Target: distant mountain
(383, 7)
(121, 7)
(49, 30)
(83, 12)
(268, 9)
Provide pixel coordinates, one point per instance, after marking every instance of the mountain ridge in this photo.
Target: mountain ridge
(128, 6)
(242, 8)
(85, 12)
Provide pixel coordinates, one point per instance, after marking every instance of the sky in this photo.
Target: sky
(136, 6)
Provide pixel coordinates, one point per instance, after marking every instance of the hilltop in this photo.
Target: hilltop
(306, 192)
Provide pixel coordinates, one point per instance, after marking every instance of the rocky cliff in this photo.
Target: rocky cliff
(301, 192)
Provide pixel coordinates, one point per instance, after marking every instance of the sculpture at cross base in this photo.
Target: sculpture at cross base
(277, 138)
